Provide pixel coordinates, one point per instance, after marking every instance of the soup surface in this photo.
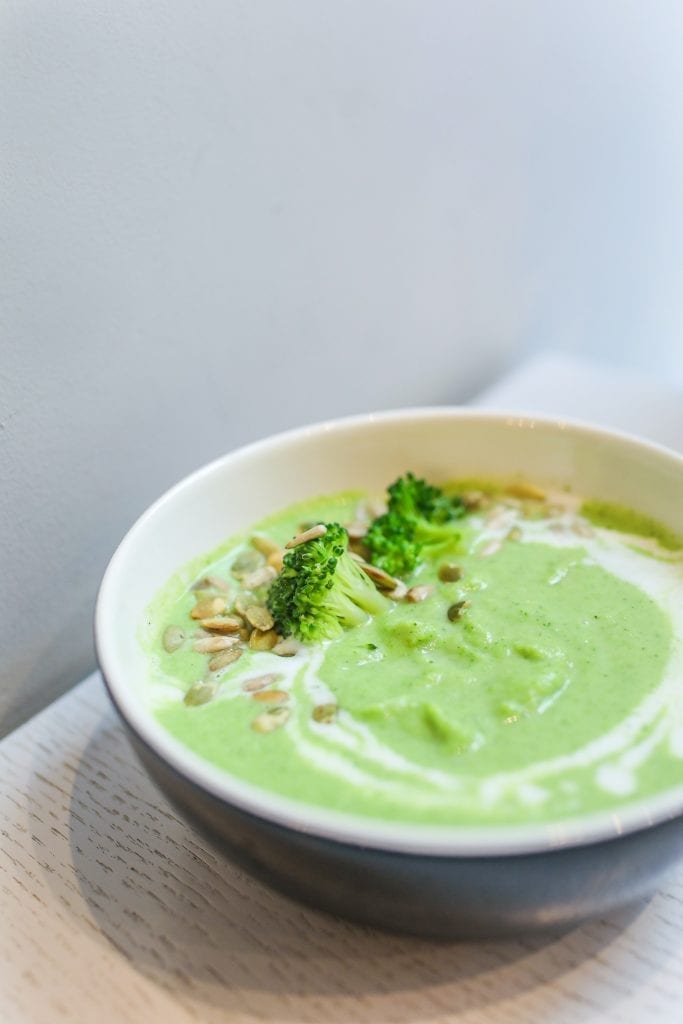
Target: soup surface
(529, 669)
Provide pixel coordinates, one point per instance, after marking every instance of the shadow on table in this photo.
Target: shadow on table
(209, 934)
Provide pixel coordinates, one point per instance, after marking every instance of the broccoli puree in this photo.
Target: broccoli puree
(554, 693)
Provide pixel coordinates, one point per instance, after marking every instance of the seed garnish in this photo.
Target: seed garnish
(260, 682)
(525, 491)
(210, 583)
(287, 647)
(225, 658)
(214, 644)
(259, 617)
(474, 500)
(456, 610)
(223, 624)
(271, 696)
(319, 530)
(242, 602)
(499, 517)
(264, 544)
(375, 507)
(324, 713)
(205, 608)
(535, 510)
(378, 576)
(246, 562)
(450, 573)
(276, 560)
(173, 638)
(258, 578)
(270, 720)
(200, 692)
(265, 641)
(419, 593)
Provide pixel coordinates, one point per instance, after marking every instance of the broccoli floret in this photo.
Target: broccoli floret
(321, 591)
(418, 516)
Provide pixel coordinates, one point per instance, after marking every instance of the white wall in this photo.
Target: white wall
(223, 218)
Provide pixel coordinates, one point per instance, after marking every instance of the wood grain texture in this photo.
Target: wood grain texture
(113, 909)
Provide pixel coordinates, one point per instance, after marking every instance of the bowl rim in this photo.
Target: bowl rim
(352, 829)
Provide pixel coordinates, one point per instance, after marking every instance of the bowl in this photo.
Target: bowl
(438, 881)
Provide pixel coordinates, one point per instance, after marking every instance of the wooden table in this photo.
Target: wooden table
(113, 909)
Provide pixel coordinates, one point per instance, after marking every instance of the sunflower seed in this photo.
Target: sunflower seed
(319, 530)
(271, 696)
(246, 562)
(206, 608)
(200, 692)
(264, 544)
(416, 594)
(499, 517)
(260, 682)
(242, 602)
(287, 647)
(535, 510)
(356, 530)
(456, 610)
(270, 720)
(222, 624)
(379, 576)
(375, 508)
(259, 617)
(525, 491)
(266, 574)
(213, 644)
(399, 591)
(263, 641)
(359, 548)
(324, 713)
(276, 560)
(474, 500)
(210, 583)
(449, 573)
(173, 638)
(225, 658)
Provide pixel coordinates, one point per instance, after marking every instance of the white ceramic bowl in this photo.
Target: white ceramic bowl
(434, 880)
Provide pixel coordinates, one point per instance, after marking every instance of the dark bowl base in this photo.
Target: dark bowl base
(428, 896)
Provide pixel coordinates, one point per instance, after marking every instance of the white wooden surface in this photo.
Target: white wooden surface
(113, 909)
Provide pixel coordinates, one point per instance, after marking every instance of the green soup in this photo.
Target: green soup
(539, 675)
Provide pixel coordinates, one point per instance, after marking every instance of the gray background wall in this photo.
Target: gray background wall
(220, 219)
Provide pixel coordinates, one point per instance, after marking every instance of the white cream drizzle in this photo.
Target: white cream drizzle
(349, 749)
